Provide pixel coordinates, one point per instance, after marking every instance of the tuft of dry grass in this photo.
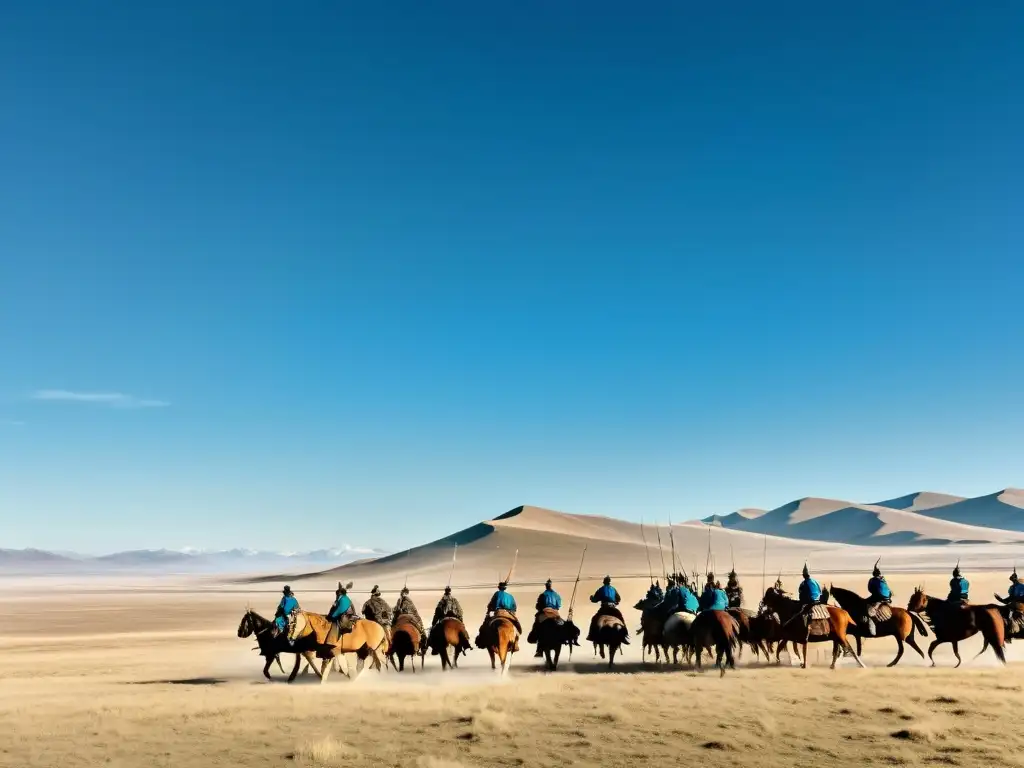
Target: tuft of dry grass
(324, 753)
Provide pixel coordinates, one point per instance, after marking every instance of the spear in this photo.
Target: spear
(650, 568)
(452, 571)
(514, 558)
(707, 562)
(673, 540)
(661, 550)
(578, 574)
(764, 564)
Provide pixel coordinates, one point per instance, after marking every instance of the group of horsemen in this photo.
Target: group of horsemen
(679, 596)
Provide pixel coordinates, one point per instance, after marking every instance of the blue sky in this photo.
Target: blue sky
(371, 274)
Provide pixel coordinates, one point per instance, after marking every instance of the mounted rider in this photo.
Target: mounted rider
(447, 608)
(879, 600)
(1016, 591)
(733, 590)
(548, 601)
(959, 587)
(504, 602)
(608, 597)
(1015, 607)
(342, 612)
(655, 594)
(713, 598)
(286, 610)
(377, 609)
(810, 598)
(406, 607)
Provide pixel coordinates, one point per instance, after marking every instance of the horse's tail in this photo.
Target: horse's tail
(993, 630)
(919, 624)
(464, 641)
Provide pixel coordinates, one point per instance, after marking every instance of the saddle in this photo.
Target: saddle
(509, 616)
(608, 609)
(879, 612)
(296, 623)
(546, 614)
(343, 626)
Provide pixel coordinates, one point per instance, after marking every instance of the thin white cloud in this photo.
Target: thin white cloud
(110, 399)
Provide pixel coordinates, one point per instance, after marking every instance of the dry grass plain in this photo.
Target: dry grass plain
(160, 679)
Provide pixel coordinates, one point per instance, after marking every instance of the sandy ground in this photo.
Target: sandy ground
(131, 678)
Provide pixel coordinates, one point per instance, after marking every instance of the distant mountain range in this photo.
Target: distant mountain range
(918, 518)
(31, 561)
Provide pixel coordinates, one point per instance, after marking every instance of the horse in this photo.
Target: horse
(610, 632)
(744, 632)
(551, 633)
(270, 647)
(675, 634)
(406, 641)
(317, 633)
(901, 624)
(795, 631)
(719, 630)
(1012, 610)
(651, 625)
(448, 633)
(953, 622)
(498, 636)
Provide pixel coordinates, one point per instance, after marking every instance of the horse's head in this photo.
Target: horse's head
(771, 597)
(918, 601)
(246, 627)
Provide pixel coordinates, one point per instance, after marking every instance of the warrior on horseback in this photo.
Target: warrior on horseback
(959, 587)
(286, 610)
(447, 607)
(655, 594)
(377, 609)
(713, 598)
(1014, 602)
(549, 603)
(608, 598)
(342, 612)
(879, 600)
(734, 591)
(406, 607)
(504, 602)
(810, 596)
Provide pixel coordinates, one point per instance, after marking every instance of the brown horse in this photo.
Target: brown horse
(448, 633)
(766, 635)
(795, 631)
(406, 642)
(719, 630)
(901, 624)
(609, 632)
(953, 622)
(745, 633)
(316, 632)
(499, 637)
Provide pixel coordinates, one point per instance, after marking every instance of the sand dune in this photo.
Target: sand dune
(914, 502)
(1004, 510)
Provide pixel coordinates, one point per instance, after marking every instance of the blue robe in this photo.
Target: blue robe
(959, 588)
(502, 601)
(878, 589)
(714, 600)
(810, 591)
(287, 605)
(1016, 591)
(549, 599)
(689, 600)
(341, 606)
(606, 593)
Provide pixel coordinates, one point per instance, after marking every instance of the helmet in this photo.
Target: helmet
(340, 590)
(671, 582)
(405, 590)
(502, 584)
(287, 590)
(447, 590)
(732, 574)
(807, 573)
(607, 579)
(548, 583)
(956, 572)
(375, 590)
(1013, 576)
(711, 578)
(877, 571)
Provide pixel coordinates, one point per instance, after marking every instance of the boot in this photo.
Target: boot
(539, 654)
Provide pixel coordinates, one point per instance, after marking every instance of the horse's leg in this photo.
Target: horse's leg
(899, 651)
(611, 654)
(295, 669)
(859, 645)
(956, 652)
(803, 665)
(931, 649)
(836, 650)
(984, 648)
(266, 667)
(493, 664)
(912, 642)
(325, 670)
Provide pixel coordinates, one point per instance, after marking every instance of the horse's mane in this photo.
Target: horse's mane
(848, 598)
(263, 622)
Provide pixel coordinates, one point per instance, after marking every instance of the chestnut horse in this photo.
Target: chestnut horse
(719, 630)
(765, 633)
(406, 642)
(795, 631)
(953, 622)
(316, 632)
(900, 625)
(498, 636)
(448, 633)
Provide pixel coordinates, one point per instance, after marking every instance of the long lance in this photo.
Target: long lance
(515, 557)
(578, 574)
(452, 571)
(764, 564)
(672, 539)
(707, 562)
(661, 549)
(650, 568)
